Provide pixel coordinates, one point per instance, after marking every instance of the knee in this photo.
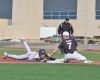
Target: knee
(83, 58)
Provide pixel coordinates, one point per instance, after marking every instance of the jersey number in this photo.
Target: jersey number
(69, 45)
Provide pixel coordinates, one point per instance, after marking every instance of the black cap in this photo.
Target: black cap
(67, 19)
(41, 51)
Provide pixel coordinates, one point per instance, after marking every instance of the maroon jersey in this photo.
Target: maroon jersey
(68, 46)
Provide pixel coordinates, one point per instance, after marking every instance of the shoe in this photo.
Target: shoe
(88, 62)
(22, 40)
(5, 55)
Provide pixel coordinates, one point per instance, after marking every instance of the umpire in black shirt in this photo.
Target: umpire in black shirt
(65, 26)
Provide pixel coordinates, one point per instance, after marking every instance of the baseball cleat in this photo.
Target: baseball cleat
(5, 55)
(88, 62)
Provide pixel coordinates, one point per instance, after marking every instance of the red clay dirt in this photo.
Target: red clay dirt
(92, 50)
(13, 61)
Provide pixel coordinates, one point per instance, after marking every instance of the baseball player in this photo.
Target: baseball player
(30, 55)
(68, 47)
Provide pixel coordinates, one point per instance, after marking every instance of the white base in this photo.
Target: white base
(56, 61)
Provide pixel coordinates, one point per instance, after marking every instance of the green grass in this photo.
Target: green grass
(91, 55)
(51, 71)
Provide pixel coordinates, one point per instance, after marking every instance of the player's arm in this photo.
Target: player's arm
(49, 57)
(71, 30)
(54, 51)
(60, 29)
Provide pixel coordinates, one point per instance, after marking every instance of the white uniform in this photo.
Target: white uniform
(75, 56)
(30, 55)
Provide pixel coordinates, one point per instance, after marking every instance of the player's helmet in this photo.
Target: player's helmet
(65, 35)
(42, 52)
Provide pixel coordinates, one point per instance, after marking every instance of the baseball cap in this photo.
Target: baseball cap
(42, 51)
(65, 33)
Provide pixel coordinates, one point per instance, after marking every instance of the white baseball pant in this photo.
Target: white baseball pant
(75, 56)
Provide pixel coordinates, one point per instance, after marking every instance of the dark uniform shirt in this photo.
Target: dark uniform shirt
(65, 27)
(68, 46)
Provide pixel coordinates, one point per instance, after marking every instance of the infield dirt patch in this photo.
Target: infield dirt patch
(13, 61)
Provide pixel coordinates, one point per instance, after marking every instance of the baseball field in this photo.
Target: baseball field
(51, 71)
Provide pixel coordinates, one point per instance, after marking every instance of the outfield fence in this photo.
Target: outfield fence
(37, 44)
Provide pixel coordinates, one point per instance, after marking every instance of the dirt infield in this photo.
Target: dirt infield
(13, 61)
(92, 50)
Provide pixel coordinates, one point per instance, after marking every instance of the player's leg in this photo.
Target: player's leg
(25, 56)
(73, 56)
(79, 57)
(68, 57)
(26, 45)
(33, 55)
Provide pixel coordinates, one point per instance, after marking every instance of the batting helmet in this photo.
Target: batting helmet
(65, 33)
(42, 51)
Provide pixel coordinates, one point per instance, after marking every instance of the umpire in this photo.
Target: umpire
(65, 26)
